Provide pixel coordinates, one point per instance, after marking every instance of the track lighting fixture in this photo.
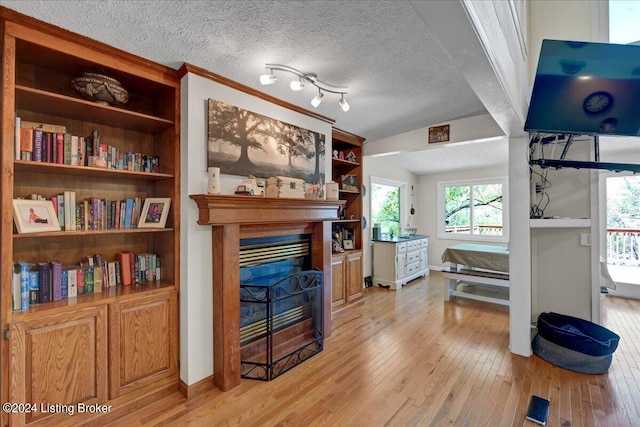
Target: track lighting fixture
(268, 79)
(299, 83)
(296, 84)
(343, 103)
(317, 99)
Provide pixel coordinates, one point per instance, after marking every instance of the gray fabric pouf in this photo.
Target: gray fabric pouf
(570, 359)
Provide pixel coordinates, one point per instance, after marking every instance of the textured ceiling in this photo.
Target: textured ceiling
(399, 78)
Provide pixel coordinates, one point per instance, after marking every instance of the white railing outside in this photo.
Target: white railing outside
(623, 246)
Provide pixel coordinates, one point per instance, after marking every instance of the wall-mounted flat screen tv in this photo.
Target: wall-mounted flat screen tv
(586, 88)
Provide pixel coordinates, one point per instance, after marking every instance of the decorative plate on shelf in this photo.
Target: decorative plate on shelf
(101, 89)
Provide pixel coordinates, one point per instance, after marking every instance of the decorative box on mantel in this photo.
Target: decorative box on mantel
(233, 218)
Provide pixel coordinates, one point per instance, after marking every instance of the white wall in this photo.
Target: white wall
(427, 209)
(196, 333)
(379, 167)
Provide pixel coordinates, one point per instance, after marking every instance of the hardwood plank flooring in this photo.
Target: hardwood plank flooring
(407, 358)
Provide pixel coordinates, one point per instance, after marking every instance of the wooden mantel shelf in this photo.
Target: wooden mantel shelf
(215, 209)
(233, 218)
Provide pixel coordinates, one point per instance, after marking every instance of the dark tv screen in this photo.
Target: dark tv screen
(586, 88)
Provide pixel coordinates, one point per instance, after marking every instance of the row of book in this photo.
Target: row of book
(45, 282)
(94, 213)
(44, 142)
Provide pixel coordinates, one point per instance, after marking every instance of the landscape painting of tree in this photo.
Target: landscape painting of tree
(242, 142)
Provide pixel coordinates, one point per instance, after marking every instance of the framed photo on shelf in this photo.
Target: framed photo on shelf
(34, 216)
(350, 182)
(154, 213)
(347, 244)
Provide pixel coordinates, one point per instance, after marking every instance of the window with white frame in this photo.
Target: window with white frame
(474, 209)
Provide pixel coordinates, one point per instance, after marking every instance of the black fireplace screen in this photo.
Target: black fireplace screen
(281, 323)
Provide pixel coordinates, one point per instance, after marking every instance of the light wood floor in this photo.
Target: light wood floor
(406, 358)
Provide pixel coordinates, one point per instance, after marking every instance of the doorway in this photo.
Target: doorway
(387, 200)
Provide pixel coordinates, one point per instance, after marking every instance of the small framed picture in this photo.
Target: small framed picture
(154, 213)
(439, 134)
(347, 244)
(350, 183)
(34, 216)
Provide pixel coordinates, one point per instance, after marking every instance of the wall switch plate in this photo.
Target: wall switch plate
(585, 239)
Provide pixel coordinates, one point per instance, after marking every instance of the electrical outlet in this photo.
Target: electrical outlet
(585, 239)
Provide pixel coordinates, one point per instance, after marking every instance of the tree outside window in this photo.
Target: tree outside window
(473, 210)
(385, 207)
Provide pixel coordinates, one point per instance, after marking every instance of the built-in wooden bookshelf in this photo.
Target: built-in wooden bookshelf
(347, 280)
(119, 346)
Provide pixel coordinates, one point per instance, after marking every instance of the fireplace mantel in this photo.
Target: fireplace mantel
(252, 210)
(234, 217)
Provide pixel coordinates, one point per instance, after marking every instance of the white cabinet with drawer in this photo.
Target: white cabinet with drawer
(398, 261)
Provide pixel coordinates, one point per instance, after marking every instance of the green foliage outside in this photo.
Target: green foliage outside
(385, 208)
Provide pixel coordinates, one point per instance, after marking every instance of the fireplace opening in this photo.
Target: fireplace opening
(281, 305)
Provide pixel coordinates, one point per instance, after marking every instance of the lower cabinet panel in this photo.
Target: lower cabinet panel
(143, 341)
(58, 359)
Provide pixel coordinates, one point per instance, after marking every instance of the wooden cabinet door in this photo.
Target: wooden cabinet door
(60, 358)
(338, 279)
(354, 279)
(143, 339)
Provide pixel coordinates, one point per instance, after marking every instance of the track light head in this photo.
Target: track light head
(343, 103)
(268, 79)
(317, 99)
(297, 84)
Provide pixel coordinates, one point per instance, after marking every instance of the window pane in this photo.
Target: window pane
(487, 212)
(457, 209)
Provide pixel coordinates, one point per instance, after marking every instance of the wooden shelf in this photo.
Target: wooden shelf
(344, 163)
(106, 296)
(560, 223)
(28, 98)
(58, 234)
(57, 168)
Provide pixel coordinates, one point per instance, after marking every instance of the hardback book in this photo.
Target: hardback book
(67, 210)
(111, 272)
(61, 210)
(16, 293)
(97, 279)
(59, 158)
(88, 280)
(53, 148)
(75, 152)
(24, 285)
(45, 282)
(125, 267)
(66, 152)
(37, 145)
(73, 282)
(65, 282)
(128, 214)
(80, 281)
(118, 273)
(18, 126)
(46, 146)
(56, 280)
(26, 143)
(34, 287)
